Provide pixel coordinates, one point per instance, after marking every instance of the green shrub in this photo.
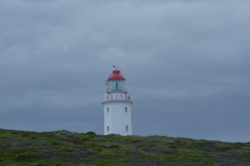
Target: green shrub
(91, 133)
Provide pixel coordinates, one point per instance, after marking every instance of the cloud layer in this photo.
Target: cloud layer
(186, 64)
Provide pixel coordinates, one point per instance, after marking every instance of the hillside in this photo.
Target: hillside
(68, 148)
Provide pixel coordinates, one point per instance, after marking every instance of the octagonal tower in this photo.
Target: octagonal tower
(117, 106)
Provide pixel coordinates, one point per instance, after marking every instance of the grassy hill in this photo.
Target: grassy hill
(66, 148)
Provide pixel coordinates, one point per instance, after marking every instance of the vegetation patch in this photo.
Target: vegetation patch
(59, 148)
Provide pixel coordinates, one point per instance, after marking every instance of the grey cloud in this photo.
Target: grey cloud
(186, 64)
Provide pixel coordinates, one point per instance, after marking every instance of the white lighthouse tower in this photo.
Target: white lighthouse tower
(117, 106)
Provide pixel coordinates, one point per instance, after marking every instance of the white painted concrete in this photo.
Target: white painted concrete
(117, 117)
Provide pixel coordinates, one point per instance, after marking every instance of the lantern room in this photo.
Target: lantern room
(116, 82)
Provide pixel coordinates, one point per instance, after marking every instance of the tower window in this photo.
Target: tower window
(116, 85)
(107, 109)
(126, 128)
(108, 129)
(126, 109)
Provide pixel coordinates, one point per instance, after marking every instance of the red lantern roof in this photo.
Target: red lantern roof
(116, 75)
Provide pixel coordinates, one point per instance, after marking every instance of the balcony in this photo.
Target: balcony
(117, 96)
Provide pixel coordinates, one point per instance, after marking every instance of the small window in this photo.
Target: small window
(107, 109)
(108, 129)
(126, 109)
(116, 86)
(126, 128)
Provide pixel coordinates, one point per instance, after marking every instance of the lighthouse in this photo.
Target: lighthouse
(117, 105)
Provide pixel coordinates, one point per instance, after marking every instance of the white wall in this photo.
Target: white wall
(117, 118)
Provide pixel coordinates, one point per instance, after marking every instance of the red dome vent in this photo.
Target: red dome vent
(116, 75)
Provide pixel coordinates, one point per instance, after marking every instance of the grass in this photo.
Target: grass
(73, 149)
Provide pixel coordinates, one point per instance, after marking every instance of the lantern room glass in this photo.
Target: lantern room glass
(116, 86)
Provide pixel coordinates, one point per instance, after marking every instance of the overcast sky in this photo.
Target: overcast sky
(187, 65)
